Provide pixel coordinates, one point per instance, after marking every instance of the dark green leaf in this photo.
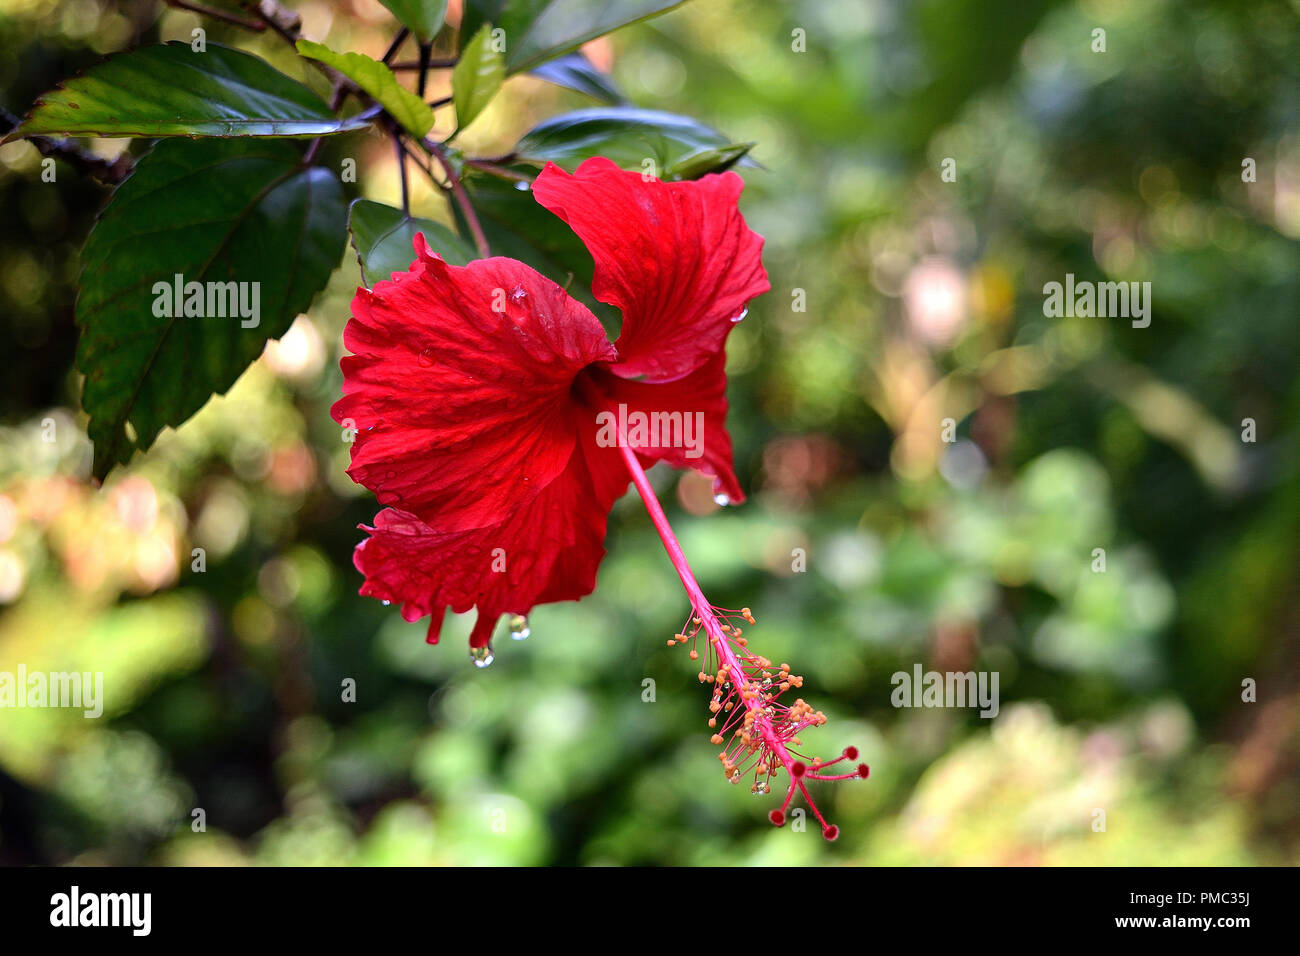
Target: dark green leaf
(212, 211)
(680, 147)
(378, 80)
(477, 77)
(173, 91)
(383, 235)
(423, 17)
(478, 12)
(575, 72)
(540, 30)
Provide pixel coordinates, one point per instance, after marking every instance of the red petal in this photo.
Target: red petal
(461, 411)
(546, 550)
(694, 406)
(676, 258)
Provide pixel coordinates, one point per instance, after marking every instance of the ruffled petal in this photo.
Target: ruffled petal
(459, 388)
(546, 550)
(676, 258)
(683, 423)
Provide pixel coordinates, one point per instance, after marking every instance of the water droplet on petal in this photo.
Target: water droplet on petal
(721, 500)
(519, 629)
(387, 603)
(761, 788)
(425, 358)
(743, 312)
(522, 185)
(481, 656)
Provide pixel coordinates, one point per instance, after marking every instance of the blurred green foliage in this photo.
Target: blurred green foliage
(1121, 690)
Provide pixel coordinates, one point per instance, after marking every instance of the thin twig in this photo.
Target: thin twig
(425, 50)
(503, 160)
(283, 21)
(336, 103)
(222, 15)
(433, 64)
(396, 45)
(107, 171)
(462, 198)
(422, 163)
(288, 26)
(493, 169)
(401, 169)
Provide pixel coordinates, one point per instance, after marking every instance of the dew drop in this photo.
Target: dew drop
(743, 312)
(519, 629)
(761, 788)
(522, 185)
(481, 656)
(387, 603)
(721, 500)
(425, 358)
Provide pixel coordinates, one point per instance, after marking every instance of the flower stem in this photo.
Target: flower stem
(761, 731)
(703, 609)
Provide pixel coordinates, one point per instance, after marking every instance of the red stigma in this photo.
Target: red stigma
(863, 771)
(851, 753)
(777, 818)
(832, 832)
(797, 769)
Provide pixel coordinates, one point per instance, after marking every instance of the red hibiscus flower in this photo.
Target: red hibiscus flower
(498, 424)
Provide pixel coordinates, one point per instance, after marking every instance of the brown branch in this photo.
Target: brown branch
(279, 18)
(107, 171)
(222, 15)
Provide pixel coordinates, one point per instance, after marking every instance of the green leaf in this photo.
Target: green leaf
(382, 236)
(423, 17)
(709, 160)
(415, 115)
(171, 90)
(575, 72)
(213, 211)
(477, 77)
(680, 147)
(540, 30)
